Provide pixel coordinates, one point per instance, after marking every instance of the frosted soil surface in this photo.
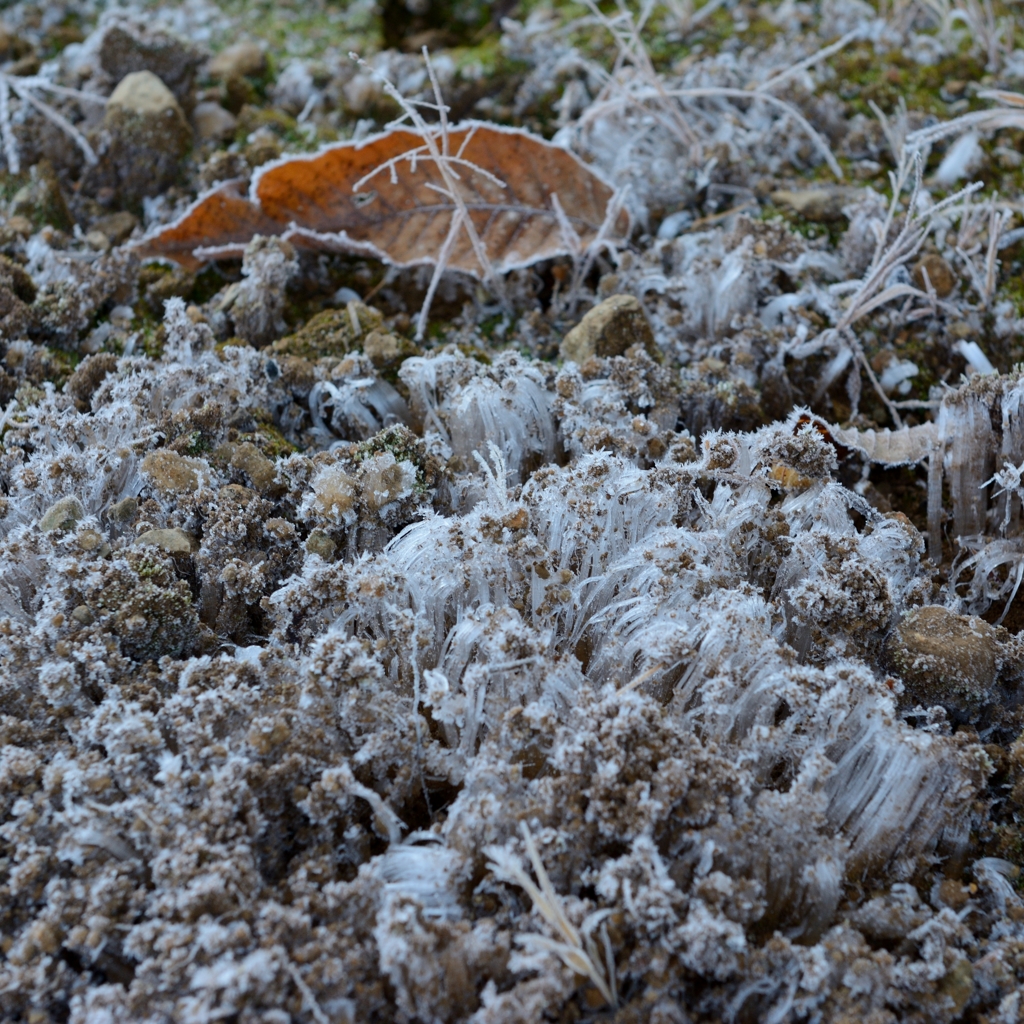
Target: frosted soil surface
(361, 665)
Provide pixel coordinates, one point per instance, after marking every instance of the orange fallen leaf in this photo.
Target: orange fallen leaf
(386, 196)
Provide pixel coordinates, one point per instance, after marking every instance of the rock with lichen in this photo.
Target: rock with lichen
(948, 659)
(128, 46)
(609, 329)
(145, 136)
(334, 332)
(62, 515)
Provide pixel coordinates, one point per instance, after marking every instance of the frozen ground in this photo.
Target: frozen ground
(666, 670)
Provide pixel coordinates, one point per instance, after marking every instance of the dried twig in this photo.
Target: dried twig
(436, 149)
(645, 88)
(875, 288)
(577, 949)
(25, 89)
(808, 62)
(1010, 114)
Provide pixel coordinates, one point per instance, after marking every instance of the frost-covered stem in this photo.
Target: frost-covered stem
(451, 179)
(442, 107)
(416, 710)
(898, 181)
(10, 143)
(935, 457)
(551, 906)
(879, 390)
(983, 120)
(38, 82)
(687, 17)
(581, 268)
(997, 221)
(58, 119)
(808, 62)
(576, 952)
(307, 994)
(632, 50)
(871, 292)
(788, 108)
(435, 278)
(570, 238)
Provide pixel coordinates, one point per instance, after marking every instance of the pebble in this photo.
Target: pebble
(940, 274)
(62, 515)
(149, 135)
(609, 329)
(116, 226)
(212, 121)
(126, 48)
(946, 659)
(172, 473)
(240, 60)
(123, 511)
(174, 541)
(821, 205)
(259, 469)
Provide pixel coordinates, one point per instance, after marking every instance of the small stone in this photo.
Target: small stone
(172, 473)
(820, 205)
(334, 332)
(127, 47)
(83, 615)
(256, 466)
(609, 329)
(123, 511)
(41, 201)
(240, 60)
(953, 894)
(20, 225)
(318, 543)
(62, 515)
(97, 240)
(385, 349)
(116, 226)
(149, 135)
(940, 274)
(174, 541)
(236, 494)
(212, 121)
(90, 540)
(946, 659)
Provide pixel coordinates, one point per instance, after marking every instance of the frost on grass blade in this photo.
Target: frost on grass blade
(384, 197)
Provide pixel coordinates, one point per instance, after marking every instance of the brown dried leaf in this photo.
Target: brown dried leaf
(219, 223)
(382, 197)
